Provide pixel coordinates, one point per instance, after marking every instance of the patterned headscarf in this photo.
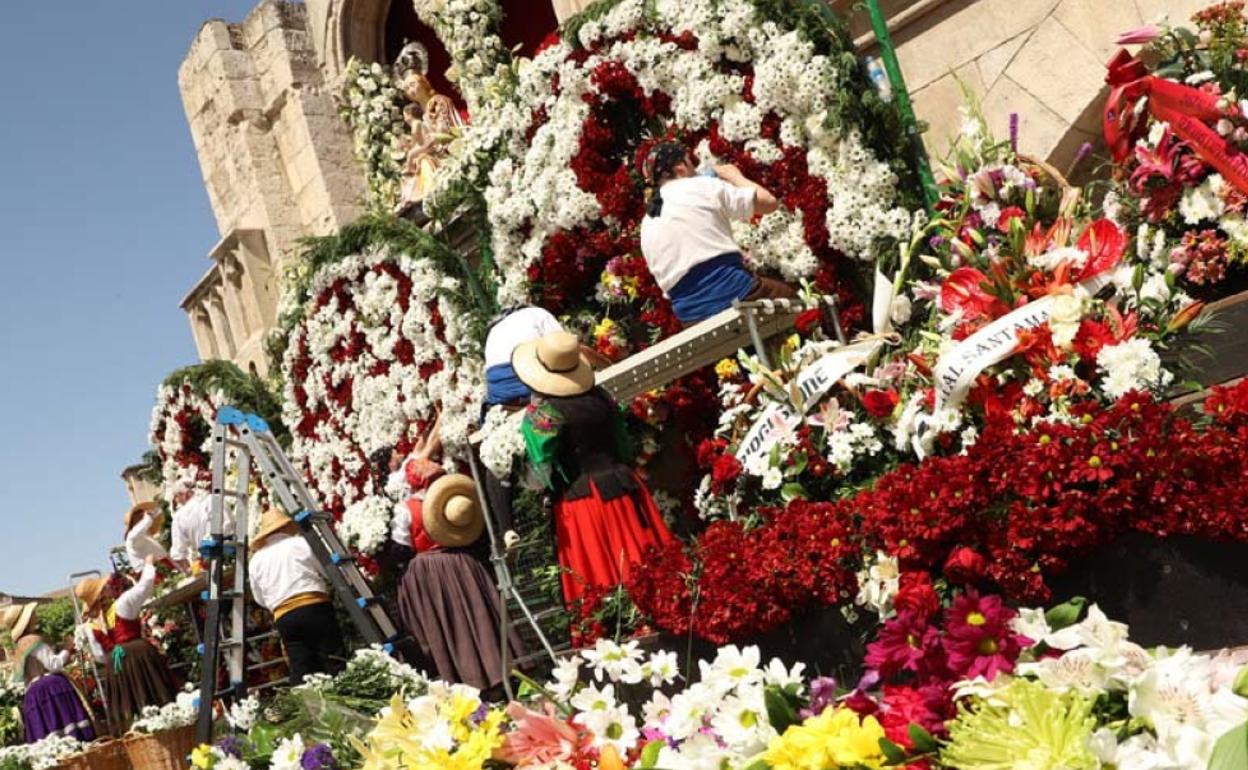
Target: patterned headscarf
(664, 157)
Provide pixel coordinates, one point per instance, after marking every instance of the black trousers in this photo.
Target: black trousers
(313, 641)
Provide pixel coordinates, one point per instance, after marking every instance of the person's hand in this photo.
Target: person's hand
(510, 539)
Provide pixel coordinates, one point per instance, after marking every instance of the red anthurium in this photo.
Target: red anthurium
(964, 290)
(1104, 243)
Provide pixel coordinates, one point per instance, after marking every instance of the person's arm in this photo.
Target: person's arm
(179, 551)
(764, 201)
(130, 603)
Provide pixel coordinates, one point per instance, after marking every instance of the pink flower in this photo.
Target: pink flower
(903, 644)
(978, 640)
(1145, 34)
(540, 739)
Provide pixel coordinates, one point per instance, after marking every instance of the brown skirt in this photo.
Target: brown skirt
(451, 608)
(144, 679)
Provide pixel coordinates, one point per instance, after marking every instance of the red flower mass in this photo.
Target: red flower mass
(1026, 504)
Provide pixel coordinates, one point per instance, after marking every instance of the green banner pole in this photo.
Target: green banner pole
(888, 54)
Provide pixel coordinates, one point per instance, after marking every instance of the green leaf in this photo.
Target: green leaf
(1066, 614)
(896, 755)
(780, 711)
(793, 491)
(923, 741)
(650, 754)
(758, 764)
(1241, 683)
(1231, 750)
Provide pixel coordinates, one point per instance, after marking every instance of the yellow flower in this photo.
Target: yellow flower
(604, 328)
(201, 756)
(396, 743)
(726, 368)
(835, 738)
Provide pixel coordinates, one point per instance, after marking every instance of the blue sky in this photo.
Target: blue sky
(104, 226)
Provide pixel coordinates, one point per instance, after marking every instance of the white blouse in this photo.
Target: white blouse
(282, 569)
(139, 544)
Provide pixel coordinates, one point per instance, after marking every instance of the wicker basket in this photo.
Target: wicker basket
(163, 751)
(103, 755)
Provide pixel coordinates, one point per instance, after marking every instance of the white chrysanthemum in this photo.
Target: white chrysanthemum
(1130, 365)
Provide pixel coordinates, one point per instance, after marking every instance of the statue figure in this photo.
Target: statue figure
(432, 121)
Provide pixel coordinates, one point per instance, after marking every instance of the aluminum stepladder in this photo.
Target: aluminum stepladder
(503, 581)
(248, 438)
(78, 621)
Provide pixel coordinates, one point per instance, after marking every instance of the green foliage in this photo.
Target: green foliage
(56, 620)
(1231, 750)
(245, 391)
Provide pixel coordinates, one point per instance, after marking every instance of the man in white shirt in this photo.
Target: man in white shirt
(190, 527)
(287, 581)
(686, 235)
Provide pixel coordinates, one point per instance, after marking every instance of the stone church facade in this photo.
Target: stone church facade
(278, 163)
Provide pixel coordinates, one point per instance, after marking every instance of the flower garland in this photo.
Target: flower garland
(373, 106)
(43, 754)
(469, 30)
(379, 345)
(565, 197)
(186, 409)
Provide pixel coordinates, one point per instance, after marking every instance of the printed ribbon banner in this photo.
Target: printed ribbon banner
(814, 381)
(777, 420)
(955, 372)
(1188, 111)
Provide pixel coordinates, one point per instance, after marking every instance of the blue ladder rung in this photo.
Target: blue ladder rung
(302, 516)
(228, 415)
(256, 423)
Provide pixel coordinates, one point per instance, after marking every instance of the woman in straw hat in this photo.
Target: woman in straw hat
(579, 448)
(51, 705)
(287, 581)
(135, 673)
(143, 522)
(447, 601)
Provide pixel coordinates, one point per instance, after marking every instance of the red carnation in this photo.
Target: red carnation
(808, 320)
(880, 403)
(724, 472)
(965, 566)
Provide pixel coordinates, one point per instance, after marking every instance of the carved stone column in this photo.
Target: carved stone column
(226, 344)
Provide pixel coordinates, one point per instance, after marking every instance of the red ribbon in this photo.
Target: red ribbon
(1186, 109)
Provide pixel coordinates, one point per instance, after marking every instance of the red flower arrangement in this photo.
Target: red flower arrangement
(1011, 512)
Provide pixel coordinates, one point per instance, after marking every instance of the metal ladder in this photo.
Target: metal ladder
(244, 439)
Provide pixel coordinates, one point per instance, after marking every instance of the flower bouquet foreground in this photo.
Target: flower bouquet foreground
(953, 678)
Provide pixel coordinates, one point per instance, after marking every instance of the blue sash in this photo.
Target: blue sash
(502, 386)
(710, 287)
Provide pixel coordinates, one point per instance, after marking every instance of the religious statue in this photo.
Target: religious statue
(432, 120)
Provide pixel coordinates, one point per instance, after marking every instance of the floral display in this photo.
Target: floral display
(180, 713)
(186, 408)
(41, 755)
(376, 345)
(1175, 128)
(373, 106)
(10, 702)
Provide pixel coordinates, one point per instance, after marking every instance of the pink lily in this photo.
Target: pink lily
(1145, 34)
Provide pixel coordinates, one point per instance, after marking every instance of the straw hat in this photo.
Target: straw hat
(24, 644)
(273, 521)
(140, 510)
(9, 616)
(22, 625)
(451, 512)
(553, 365)
(89, 591)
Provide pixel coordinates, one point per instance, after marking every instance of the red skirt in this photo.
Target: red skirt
(600, 540)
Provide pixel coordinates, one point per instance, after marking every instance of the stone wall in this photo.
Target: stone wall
(1042, 59)
(277, 162)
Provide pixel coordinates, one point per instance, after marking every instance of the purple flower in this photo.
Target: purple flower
(480, 714)
(822, 695)
(231, 746)
(1014, 131)
(319, 757)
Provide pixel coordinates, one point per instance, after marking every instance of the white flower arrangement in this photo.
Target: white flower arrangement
(243, 714)
(365, 524)
(503, 442)
(42, 754)
(344, 408)
(373, 106)
(171, 716)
